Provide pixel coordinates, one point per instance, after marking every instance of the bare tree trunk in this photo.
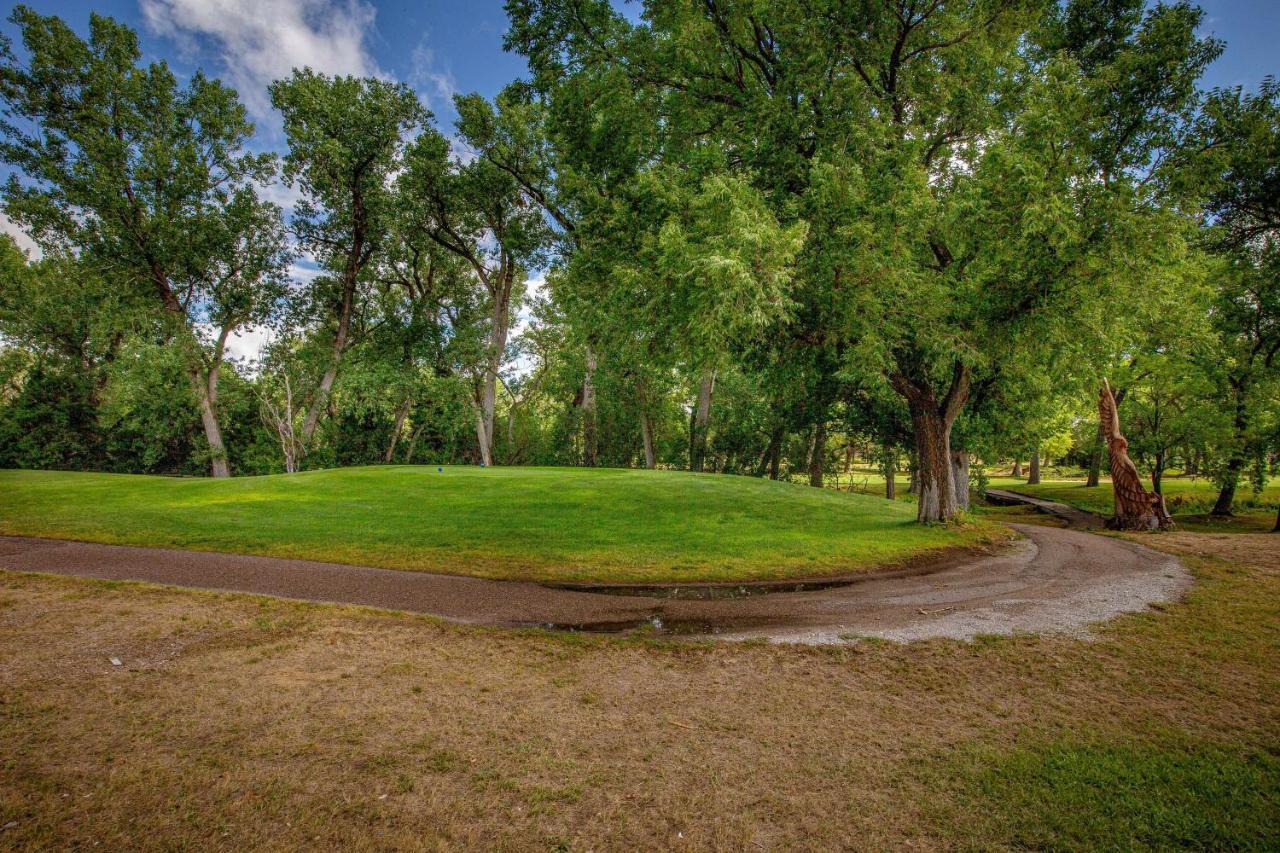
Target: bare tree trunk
(646, 434)
(204, 388)
(1157, 473)
(321, 400)
(775, 458)
(1034, 478)
(1100, 448)
(818, 453)
(483, 437)
(890, 474)
(931, 424)
(960, 477)
(1017, 468)
(413, 444)
(701, 418)
(402, 412)
(589, 450)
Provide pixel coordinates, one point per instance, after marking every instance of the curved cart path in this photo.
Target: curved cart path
(1053, 580)
(1076, 519)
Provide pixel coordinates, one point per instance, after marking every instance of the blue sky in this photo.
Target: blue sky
(441, 48)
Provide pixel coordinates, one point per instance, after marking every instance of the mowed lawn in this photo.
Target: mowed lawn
(1183, 495)
(566, 524)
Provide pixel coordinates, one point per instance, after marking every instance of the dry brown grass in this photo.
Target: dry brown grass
(238, 722)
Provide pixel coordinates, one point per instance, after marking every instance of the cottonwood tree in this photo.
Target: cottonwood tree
(1241, 141)
(346, 138)
(477, 212)
(958, 150)
(147, 180)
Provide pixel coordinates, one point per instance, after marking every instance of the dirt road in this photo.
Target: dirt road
(1053, 580)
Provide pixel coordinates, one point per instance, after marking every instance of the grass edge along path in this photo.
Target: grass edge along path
(540, 524)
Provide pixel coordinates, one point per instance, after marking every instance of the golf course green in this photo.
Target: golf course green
(545, 524)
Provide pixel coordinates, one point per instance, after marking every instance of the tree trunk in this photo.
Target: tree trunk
(931, 423)
(775, 458)
(1017, 468)
(321, 400)
(960, 477)
(482, 436)
(1095, 459)
(402, 412)
(205, 389)
(701, 418)
(589, 449)
(1100, 445)
(646, 435)
(1034, 478)
(1157, 473)
(1222, 508)
(818, 453)
(766, 460)
(890, 472)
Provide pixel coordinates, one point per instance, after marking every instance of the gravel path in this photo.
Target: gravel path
(1053, 580)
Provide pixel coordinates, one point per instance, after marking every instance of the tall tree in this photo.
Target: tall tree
(1241, 141)
(346, 137)
(479, 214)
(149, 179)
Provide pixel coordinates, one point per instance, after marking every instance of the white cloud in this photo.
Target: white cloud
(25, 243)
(246, 345)
(260, 41)
(436, 86)
(281, 194)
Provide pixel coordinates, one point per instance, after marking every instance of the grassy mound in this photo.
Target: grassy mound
(566, 524)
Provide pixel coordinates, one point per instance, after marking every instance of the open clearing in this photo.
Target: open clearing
(560, 524)
(235, 721)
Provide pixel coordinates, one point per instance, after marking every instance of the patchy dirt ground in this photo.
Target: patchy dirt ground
(235, 722)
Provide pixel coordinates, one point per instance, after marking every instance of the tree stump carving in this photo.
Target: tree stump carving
(1136, 508)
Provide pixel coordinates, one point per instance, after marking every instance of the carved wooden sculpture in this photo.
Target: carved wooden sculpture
(1136, 508)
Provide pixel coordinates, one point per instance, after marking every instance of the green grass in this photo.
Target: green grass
(567, 524)
(1183, 495)
(1071, 796)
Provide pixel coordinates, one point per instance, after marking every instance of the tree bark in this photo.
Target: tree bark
(960, 477)
(1100, 445)
(701, 418)
(818, 453)
(482, 437)
(402, 412)
(931, 425)
(1095, 460)
(589, 443)
(646, 435)
(1034, 478)
(1157, 473)
(321, 400)
(890, 472)
(206, 397)
(1017, 468)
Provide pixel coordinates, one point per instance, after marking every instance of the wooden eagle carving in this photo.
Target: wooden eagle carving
(1136, 508)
